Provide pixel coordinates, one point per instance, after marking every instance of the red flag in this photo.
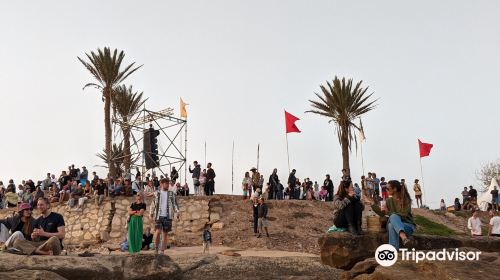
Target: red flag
(425, 148)
(290, 123)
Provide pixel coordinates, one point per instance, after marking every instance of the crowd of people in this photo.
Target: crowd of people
(388, 199)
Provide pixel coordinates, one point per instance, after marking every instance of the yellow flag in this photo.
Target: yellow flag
(184, 113)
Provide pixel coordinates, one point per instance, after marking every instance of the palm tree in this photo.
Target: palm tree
(342, 104)
(106, 68)
(114, 161)
(126, 104)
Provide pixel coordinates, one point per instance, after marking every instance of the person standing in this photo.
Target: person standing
(328, 184)
(207, 238)
(255, 213)
(442, 205)
(210, 185)
(203, 182)
(196, 176)
(273, 184)
(494, 225)
(465, 195)
(246, 185)
(474, 224)
(472, 193)
(262, 217)
(163, 208)
(383, 188)
(136, 211)
(255, 179)
(494, 198)
(174, 175)
(418, 193)
(292, 180)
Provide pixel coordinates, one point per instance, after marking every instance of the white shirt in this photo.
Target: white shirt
(495, 225)
(474, 224)
(163, 203)
(135, 186)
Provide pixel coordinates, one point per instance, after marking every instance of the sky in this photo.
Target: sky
(432, 65)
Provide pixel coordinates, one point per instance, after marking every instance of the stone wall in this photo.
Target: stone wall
(108, 221)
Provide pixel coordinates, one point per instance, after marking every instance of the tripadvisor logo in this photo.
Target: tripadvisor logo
(387, 255)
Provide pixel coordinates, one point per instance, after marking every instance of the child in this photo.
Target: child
(207, 239)
(147, 239)
(323, 193)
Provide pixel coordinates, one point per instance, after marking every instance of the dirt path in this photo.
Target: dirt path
(458, 224)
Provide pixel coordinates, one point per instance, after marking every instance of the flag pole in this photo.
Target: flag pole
(287, 153)
(423, 184)
(185, 151)
(362, 159)
(258, 155)
(232, 170)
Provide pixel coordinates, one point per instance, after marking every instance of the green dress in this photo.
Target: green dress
(135, 229)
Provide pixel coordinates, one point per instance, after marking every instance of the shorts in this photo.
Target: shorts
(494, 201)
(262, 222)
(164, 224)
(418, 196)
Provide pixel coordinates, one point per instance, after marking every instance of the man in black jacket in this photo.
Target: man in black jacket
(291, 184)
(328, 184)
(210, 185)
(273, 184)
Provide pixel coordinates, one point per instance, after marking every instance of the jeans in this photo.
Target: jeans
(395, 226)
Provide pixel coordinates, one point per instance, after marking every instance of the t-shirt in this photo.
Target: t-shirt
(49, 223)
(100, 189)
(138, 206)
(494, 194)
(163, 203)
(383, 186)
(495, 225)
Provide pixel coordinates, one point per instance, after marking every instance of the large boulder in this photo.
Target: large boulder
(343, 250)
(137, 266)
(486, 268)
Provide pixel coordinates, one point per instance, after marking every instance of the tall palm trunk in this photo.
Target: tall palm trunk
(107, 130)
(344, 142)
(126, 149)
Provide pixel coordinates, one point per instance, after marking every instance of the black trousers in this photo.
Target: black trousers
(350, 215)
(255, 223)
(330, 194)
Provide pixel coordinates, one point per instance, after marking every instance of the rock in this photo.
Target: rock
(230, 253)
(487, 266)
(27, 274)
(343, 250)
(214, 216)
(88, 236)
(137, 266)
(217, 225)
(364, 267)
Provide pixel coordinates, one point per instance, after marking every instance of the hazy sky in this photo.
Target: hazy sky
(434, 65)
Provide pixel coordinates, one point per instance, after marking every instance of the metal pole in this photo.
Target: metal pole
(258, 155)
(423, 185)
(185, 151)
(232, 170)
(287, 153)
(205, 153)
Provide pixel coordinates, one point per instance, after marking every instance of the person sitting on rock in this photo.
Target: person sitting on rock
(398, 207)
(21, 225)
(347, 209)
(47, 235)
